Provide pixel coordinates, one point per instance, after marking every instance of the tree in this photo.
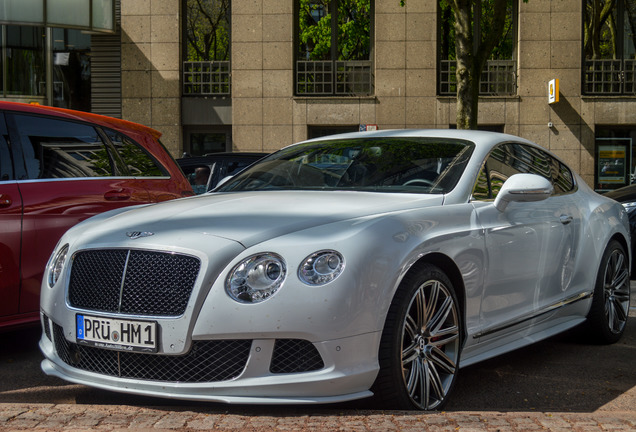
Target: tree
(600, 29)
(207, 30)
(334, 29)
(473, 48)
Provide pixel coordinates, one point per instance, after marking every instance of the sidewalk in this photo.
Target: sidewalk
(63, 417)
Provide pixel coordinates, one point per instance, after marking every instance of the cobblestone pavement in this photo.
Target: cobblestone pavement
(557, 385)
(52, 417)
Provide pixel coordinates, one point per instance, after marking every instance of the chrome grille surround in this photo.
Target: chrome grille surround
(132, 281)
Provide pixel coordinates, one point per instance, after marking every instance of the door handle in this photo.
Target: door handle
(116, 195)
(5, 200)
(565, 219)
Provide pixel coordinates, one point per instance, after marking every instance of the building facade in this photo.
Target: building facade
(260, 76)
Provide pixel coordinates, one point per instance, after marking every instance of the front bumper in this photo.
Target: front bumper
(349, 368)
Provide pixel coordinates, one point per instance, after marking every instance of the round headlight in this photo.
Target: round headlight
(256, 278)
(321, 267)
(57, 265)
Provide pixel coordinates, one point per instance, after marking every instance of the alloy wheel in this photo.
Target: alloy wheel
(430, 345)
(616, 291)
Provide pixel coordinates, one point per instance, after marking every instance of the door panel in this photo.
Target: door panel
(65, 176)
(53, 206)
(530, 251)
(10, 227)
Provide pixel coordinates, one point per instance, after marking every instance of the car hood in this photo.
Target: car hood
(250, 217)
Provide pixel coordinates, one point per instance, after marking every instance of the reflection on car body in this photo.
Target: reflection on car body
(374, 263)
(57, 168)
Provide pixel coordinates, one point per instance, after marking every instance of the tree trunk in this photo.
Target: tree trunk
(465, 73)
(472, 54)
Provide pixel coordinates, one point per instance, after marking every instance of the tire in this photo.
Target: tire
(421, 343)
(610, 304)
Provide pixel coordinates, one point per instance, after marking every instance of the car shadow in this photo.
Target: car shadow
(566, 373)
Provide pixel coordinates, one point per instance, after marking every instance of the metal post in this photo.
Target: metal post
(48, 49)
(3, 61)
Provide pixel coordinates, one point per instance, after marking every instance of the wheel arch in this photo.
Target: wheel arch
(448, 266)
(623, 242)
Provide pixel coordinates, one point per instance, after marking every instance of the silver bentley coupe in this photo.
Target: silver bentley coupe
(366, 264)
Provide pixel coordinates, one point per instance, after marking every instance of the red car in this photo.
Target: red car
(57, 168)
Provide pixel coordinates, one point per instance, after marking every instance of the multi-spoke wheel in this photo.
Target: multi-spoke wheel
(610, 305)
(421, 343)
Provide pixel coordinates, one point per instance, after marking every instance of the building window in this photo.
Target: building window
(23, 61)
(321, 131)
(333, 48)
(609, 47)
(200, 141)
(23, 66)
(71, 69)
(614, 157)
(499, 76)
(206, 69)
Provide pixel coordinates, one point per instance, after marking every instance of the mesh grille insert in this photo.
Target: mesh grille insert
(207, 361)
(295, 355)
(154, 283)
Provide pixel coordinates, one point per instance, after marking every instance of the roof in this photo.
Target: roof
(79, 115)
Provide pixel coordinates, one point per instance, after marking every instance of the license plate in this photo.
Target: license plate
(117, 334)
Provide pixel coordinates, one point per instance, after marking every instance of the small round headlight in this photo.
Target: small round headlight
(256, 278)
(321, 267)
(57, 265)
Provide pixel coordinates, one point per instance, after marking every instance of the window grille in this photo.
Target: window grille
(353, 78)
(499, 78)
(206, 78)
(314, 77)
(629, 76)
(328, 78)
(610, 77)
(603, 77)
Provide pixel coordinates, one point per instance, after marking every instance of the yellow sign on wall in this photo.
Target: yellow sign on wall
(553, 91)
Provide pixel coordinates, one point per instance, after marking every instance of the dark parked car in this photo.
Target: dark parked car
(627, 196)
(57, 168)
(205, 172)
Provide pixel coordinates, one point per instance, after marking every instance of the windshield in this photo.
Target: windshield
(387, 164)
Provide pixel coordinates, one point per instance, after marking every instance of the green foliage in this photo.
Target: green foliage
(137, 161)
(99, 163)
(504, 50)
(354, 24)
(315, 29)
(352, 18)
(207, 30)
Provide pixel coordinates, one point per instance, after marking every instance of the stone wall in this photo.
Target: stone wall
(266, 115)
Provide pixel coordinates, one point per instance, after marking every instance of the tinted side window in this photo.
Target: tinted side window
(494, 173)
(509, 159)
(535, 161)
(138, 162)
(232, 167)
(54, 148)
(563, 180)
(6, 166)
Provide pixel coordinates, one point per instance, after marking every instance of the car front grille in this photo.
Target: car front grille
(132, 281)
(295, 355)
(207, 361)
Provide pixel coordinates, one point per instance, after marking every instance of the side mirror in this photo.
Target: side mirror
(523, 188)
